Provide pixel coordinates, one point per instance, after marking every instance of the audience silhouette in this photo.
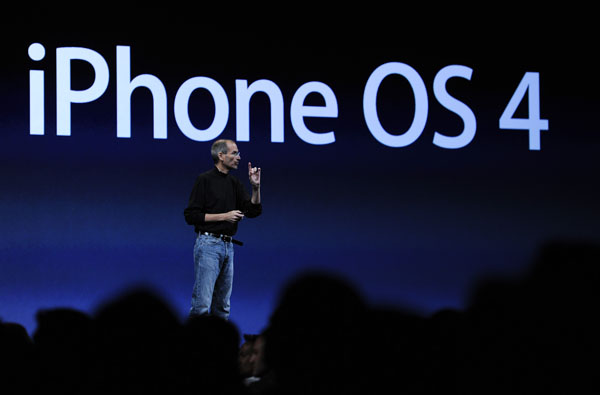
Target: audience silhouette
(529, 334)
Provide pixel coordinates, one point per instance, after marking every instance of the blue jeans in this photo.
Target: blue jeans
(213, 272)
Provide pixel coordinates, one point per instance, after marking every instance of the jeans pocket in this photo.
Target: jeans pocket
(205, 240)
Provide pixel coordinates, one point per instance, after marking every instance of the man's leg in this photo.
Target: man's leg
(222, 291)
(207, 257)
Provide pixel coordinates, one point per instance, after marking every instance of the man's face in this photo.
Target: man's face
(232, 158)
(258, 357)
(245, 363)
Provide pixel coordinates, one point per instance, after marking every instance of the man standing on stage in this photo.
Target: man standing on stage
(217, 203)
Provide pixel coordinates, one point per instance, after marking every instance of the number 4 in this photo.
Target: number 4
(529, 84)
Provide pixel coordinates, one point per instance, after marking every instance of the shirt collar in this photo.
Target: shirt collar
(218, 172)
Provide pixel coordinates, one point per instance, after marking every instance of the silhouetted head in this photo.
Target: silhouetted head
(137, 335)
(209, 352)
(16, 358)
(313, 332)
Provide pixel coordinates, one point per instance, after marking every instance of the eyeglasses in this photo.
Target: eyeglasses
(235, 153)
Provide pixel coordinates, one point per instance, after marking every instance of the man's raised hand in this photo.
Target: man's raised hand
(254, 175)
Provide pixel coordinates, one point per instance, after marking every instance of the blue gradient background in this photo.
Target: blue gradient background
(86, 217)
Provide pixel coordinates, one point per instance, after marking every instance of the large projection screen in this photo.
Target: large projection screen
(410, 166)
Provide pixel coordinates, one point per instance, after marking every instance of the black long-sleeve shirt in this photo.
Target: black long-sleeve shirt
(215, 193)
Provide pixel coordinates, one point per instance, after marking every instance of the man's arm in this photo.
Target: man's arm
(254, 175)
(255, 195)
(193, 213)
(231, 216)
(249, 205)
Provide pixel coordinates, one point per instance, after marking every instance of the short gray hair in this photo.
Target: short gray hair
(219, 146)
